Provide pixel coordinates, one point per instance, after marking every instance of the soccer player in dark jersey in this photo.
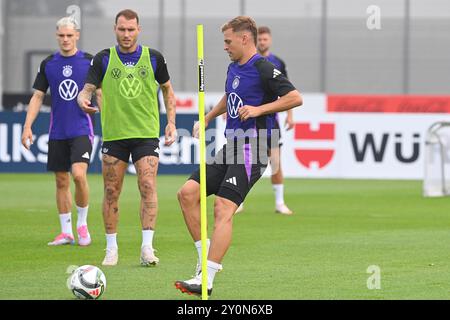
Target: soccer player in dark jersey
(71, 132)
(252, 88)
(263, 45)
(130, 75)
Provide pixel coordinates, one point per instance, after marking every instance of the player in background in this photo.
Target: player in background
(130, 75)
(253, 92)
(263, 45)
(71, 131)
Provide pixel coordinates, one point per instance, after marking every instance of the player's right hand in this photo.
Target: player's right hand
(27, 138)
(289, 123)
(196, 129)
(86, 106)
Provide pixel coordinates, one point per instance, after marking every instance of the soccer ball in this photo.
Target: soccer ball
(87, 282)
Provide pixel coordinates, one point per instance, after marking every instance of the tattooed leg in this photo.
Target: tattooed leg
(147, 168)
(113, 173)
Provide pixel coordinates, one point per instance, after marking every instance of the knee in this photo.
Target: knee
(62, 182)
(79, 177)
(223, 211)
(111, 192)
(147, 189)
(219, 205)
(187, 195)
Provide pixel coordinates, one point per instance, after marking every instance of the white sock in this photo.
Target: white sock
(147, 238)
(66, 222)
(111, 240)
(82, 216)
(213, 268)
(198, 246)
(279, 193)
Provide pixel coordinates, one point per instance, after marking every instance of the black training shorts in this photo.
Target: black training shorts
(234, 171)
(137, 148)
(63, 153)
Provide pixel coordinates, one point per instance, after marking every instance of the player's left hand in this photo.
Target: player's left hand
(170, 134)
(247, 112)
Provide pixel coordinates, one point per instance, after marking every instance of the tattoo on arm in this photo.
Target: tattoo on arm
(169, 101)
(86, 93)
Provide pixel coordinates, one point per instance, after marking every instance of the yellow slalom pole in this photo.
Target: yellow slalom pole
(201, 120)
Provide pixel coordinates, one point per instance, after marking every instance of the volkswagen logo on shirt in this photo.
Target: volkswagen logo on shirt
(130, 87)
(115, 73)
(68, 89)
(234, 102)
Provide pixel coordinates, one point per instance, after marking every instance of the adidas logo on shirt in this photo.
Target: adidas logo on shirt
(232, 181)
(85, 155)
(276, 73)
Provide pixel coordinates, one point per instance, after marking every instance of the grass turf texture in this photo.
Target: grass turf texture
(339, 229)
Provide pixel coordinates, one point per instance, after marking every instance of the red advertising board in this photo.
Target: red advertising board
(388, 103)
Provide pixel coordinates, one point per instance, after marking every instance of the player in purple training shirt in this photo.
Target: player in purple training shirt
(252, 88)
(263, 46)
(71, 131)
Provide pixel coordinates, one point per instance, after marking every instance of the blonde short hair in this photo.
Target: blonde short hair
(67, 22)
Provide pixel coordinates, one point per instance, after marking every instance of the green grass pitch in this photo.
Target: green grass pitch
(340, 228)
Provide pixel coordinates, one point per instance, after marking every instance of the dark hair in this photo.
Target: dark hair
(128, 14)
(242, 23)
(264, 29)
